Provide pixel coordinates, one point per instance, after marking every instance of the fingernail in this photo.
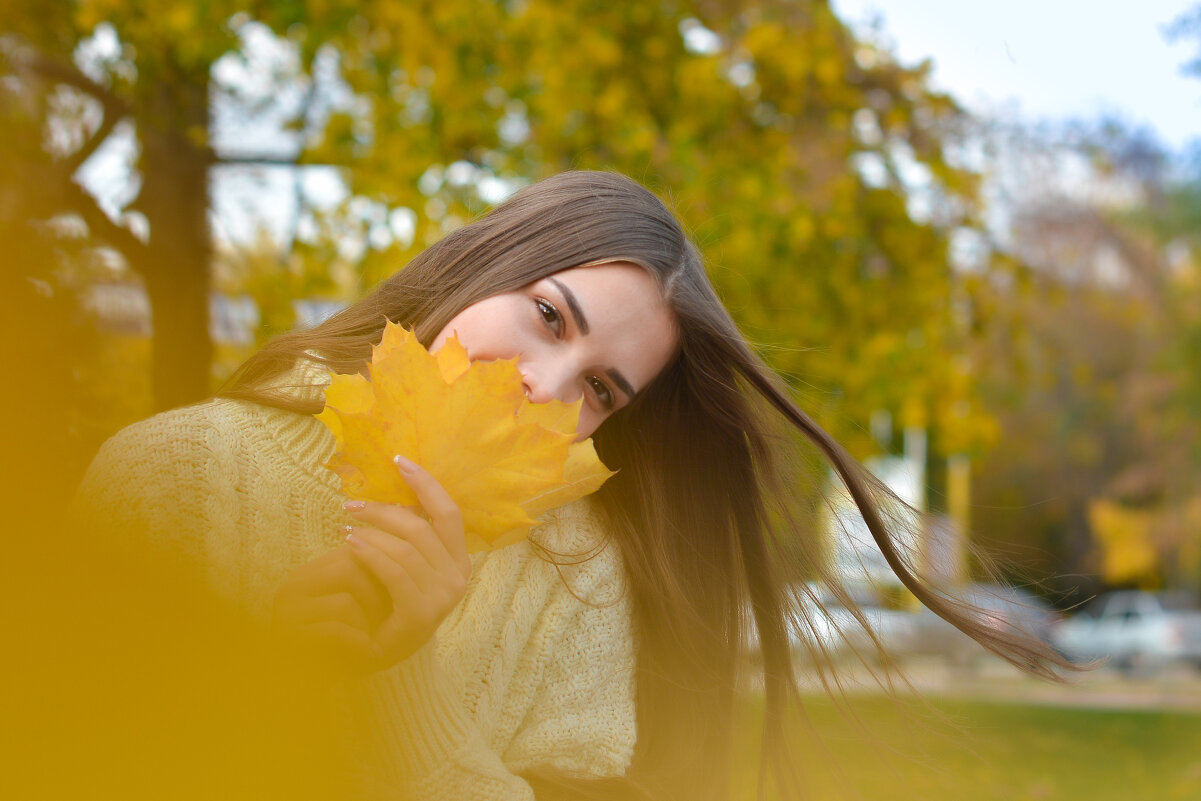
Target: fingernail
(349, 532)
(404, 464)
(354, 506)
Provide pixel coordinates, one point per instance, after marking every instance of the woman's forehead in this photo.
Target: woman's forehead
(621, 309)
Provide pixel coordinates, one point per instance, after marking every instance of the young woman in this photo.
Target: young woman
(603, 655)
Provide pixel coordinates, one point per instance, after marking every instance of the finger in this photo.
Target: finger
(340, 643)
(312, 577)
(444, 513)
(339, 571)
(405, 523)
(336, 571)
(396, 579)
(337, 608)
(403, 553)
(365, 587)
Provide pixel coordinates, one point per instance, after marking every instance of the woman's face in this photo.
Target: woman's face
(601, 332)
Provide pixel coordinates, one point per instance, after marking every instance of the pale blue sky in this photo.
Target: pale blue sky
(1053, 58)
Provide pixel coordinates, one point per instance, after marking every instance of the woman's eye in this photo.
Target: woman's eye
(550, 315)
(603, 393)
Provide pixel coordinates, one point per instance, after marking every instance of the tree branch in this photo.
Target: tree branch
(262, 159)
(76, 160)
(101, 226)
(115, 108)
(59, 72)
(251, 159)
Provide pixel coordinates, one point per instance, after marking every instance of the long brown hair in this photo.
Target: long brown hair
(704, 506)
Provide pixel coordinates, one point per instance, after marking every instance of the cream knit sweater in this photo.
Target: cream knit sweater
(533, 671)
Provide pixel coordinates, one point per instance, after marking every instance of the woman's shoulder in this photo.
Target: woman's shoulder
(230, 489)
(213, 450)
(187, 423)
(578, 527)
(576, 541)
(214, 413)
(216, 425)
(568, 561)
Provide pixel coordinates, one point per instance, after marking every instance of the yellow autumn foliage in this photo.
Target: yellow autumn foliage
(1124, 534)
(503, 459)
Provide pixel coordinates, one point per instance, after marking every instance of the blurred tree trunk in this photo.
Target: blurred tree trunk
(172, 128)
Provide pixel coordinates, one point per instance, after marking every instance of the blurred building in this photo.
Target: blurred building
(933, 544)
(121, 307)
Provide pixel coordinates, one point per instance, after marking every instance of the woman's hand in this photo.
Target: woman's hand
(328, 608)
(419, 555)
(376, 600)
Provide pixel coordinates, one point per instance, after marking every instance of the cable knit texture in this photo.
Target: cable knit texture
(533, 671)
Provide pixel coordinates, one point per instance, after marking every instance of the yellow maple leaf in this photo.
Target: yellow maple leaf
(503, 459)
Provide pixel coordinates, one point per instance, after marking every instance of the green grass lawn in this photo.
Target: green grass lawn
(878, 750)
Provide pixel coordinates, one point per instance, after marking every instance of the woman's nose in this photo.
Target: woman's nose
(535, 390)
(542, 386)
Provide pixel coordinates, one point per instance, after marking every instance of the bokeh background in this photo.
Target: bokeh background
(967, 236)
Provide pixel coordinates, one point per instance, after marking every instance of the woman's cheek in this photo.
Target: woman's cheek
(589, 422)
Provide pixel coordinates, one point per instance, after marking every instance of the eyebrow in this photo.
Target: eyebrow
(572, 303)
(577, 312)
(622, 384)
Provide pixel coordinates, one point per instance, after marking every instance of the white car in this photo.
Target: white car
(824, 624)
(1134, 630)
(1000, 607)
